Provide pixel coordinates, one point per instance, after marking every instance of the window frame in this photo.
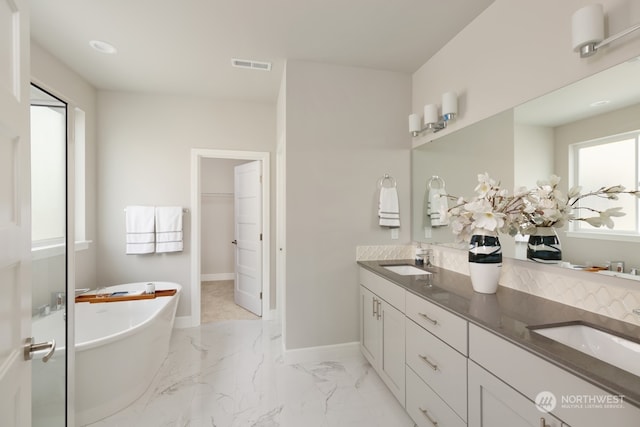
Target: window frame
(603, 233)
(75, 133)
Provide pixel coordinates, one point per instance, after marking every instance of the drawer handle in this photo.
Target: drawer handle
(375, 306)
(426, 360)
(379, 310)
(428, 319)
(426, 414)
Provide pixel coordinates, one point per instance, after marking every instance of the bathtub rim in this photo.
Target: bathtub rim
(87, 345)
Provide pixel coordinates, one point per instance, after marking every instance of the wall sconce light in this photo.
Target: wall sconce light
(431, 120)
(587, 30)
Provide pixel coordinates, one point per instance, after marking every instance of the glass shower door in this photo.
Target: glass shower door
(49, 250)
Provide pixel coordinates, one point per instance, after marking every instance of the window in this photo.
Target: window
(50, 172)
(608, 161)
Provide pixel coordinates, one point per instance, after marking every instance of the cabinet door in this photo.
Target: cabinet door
(494, 403)
(370, 340)
(392, 363)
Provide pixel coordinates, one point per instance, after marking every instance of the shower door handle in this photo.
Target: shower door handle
(235, 242)
(30, 348)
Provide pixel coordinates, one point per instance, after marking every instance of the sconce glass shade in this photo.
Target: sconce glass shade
(430, 114)
(587, 26)
(414, 123)
(449, 104)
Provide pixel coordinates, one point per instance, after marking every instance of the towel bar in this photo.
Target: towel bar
(386, 177)
(185, 210)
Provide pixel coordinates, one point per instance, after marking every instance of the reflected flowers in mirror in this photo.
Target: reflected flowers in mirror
(547, 206)
(494, 209)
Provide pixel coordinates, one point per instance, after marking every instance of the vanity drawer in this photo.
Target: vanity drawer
(426, 408)
(438, 365)
(441, 323)
(388, 291)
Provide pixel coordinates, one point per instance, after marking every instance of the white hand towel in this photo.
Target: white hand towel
(140, 229)
(169, 229)
(437, 203)
(388, 208)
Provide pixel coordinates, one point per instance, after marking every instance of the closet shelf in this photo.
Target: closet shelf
(216, 194)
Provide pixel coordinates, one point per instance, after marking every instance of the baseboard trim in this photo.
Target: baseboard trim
(217, 276)
(321, 353)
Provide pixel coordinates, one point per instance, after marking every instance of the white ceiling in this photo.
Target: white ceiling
(186, 46)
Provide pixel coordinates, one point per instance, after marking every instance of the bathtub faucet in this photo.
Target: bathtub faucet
(43, 310)
(57, 300)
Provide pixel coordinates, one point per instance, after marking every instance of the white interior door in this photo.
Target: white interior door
(15, 223)
(248, 235)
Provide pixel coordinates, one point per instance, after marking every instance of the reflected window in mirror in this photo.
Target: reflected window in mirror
(611, 160)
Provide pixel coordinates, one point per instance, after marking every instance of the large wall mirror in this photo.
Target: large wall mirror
(520, 146)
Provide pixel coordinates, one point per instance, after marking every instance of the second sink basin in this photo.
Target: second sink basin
(605, 346)
(405, 270)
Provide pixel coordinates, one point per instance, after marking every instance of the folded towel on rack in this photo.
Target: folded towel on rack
(436, 204)
(388, 207)
(169, 229)
(140, 229)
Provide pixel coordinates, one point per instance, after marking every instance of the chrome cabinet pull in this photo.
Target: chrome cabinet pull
(543, 423)
(379, 310)
(426, 414)
(428, 362)
(428, 319)
(375, 307)
(30, 348)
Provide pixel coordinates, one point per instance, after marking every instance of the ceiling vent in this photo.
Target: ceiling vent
(252, 65)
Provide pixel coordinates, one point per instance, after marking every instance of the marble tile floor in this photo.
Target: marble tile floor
(232, 374)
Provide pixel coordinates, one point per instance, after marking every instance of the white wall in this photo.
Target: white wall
(517, 50)
(144, 158)
(52, 75)
(345, 128)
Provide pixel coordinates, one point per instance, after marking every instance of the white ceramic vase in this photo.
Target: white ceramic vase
(485, 261)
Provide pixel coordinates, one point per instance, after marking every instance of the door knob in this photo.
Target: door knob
(30, 348)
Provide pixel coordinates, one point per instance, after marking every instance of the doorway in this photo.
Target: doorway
(201, 159)
(227, 292)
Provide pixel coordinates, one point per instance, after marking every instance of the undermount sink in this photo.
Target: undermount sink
(605, 346)
(405, 270)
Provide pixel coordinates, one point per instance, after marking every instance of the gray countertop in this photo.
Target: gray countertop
(508, 312)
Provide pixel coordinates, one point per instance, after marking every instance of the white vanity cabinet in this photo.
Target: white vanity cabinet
(436, 364)
(527, 375)
(382, 330)
(493, 403)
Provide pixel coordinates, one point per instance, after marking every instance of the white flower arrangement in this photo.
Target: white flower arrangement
(492, 208)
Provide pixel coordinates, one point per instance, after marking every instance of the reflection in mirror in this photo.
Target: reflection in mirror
(48, 269)
(537, 139)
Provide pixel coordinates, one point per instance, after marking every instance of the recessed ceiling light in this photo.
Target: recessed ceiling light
(251, 64)
(103, 47)
(599, 103)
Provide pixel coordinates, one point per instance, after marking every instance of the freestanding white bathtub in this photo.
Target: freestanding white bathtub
(119, 349)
